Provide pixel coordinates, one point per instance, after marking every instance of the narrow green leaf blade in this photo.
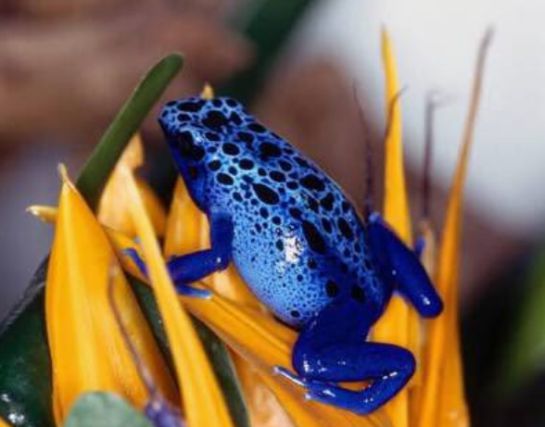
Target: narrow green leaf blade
(96, 171)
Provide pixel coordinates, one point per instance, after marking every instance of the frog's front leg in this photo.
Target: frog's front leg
(331, 349)
(186, 269)
(192, 267)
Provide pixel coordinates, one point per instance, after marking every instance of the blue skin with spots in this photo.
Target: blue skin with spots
(300, 246)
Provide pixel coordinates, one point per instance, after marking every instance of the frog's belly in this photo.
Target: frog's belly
(283, 273)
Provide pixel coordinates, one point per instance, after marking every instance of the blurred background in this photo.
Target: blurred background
(66, 67)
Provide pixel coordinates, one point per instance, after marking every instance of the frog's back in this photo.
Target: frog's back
(298, 242)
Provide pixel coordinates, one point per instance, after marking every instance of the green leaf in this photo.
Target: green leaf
(25, 378)
(104, 410)
(225, 372)
(96, 171)
(215, 349)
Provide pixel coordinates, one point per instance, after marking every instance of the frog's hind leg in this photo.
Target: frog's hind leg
(331, 349)
(387, 366)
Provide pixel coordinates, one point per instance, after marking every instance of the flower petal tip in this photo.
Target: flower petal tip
(47, 214)
(33, 210)
(63, 172)
(207, 92)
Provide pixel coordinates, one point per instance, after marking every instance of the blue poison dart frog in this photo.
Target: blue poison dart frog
(300, 246)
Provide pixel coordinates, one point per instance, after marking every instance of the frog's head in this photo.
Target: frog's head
(195, 130)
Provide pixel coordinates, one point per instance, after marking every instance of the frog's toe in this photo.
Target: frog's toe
(319, 392)
(190, 291)
(137, 259)
(295, 379)
(182, 288)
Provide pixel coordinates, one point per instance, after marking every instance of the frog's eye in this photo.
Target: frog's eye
(187, 147)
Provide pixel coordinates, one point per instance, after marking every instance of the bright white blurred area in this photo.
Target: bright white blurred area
(436, 44)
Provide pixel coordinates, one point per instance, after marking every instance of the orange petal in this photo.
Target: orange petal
(118, 239)
(429, 261)
(113, 210)
(133, 155)
(398, 325)
(154, 207)
(396, 206)
(185, 224)
(3, 423)
(263, 407)
(202, 397)
(444, 400)
(207, 92)
(47, 214)
(87, 349)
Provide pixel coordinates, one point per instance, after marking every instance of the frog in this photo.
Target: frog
(300, 245)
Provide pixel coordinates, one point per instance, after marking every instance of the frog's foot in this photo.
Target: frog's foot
(387, 368)
(182, 288)
(138, 261)
(331, 350)
(190, 291)
(308, 385)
